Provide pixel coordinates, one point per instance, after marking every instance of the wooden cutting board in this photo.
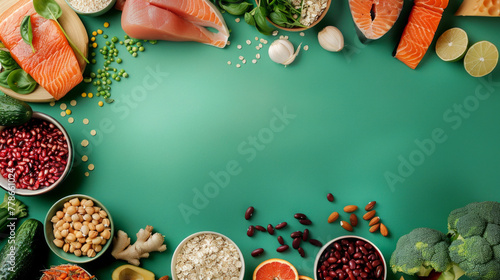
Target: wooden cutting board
(75, 30)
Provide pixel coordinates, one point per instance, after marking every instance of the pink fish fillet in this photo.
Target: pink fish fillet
(170, 20)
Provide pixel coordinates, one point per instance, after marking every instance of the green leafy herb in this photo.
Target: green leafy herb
(3, 78)
(20, 82)
(284, 14)
(109, 100)
(257, 18)
(8, 63)
(27, 31)
(49, 9)
(236, 9)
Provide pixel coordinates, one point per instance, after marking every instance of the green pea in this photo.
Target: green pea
(139, 44)
(114, 76)
(109, 82)
(97, 94)
(92, 75)
(126, 37)
(134, 49)
(134, 54)
(118, 79)
(105, 36)
(119, 60)
(121, 42)
(98, 82)
(105, 57)
(94, 61)
(129, 48)
(93, 54)
(114, 39)
(141, 49)
(125, 75)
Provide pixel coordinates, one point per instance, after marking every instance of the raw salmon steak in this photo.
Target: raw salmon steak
(175, 20)
(53, 65)
(374, 18)
(420, 30)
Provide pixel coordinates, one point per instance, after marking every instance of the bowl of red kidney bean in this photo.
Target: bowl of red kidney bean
(35, 157)
(350, 257)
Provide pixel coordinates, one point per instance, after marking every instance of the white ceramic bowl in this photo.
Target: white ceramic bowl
(327, 245)
(25, 192)
(93, 14)
(183, 242)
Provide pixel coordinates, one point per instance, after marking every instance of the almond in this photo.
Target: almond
(369, 215)
(353, 219)
(383, 230)
(374, 228)
(346, 225)
(375, 220)
(333, 217)
(350, 208)
(370, 205)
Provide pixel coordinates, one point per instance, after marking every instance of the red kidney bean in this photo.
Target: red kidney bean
(376, 263)
(270, 229)
(249, 212)
(296, 242)
(378, 271)
(282, 248)
(260, 228)
(315, 242)
(257, 252)
(296, 234)
(305, 222)
(280, 240)
(305, 235)
(281, 225)
(330, 197)
(21, 147)
(251, 231)
(302, 253)
(300, 216)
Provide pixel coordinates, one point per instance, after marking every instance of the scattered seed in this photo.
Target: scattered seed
(73, 102)
(257, 252)
(257, 56)
(100, 103)
(84, 94)
(239, 47)
(260, 46)
(256, 38)
(63, 106)
(93, 132)
(238, 65)
(237, 19)
(85, 142)
(275, 32)
(85, 158)
(85, 121)
(228, 43)
(63, 114)
(249, 42)
(52, 103)
(370, 205)
(330, 197)
(260, 228)
(106, 24)
(244, 61)
(257, 48)
(350, 208)
(374, 228)
(306, 47)
(333, 217)
(228, 62)
(353, 219)
(254, 61)
(369, 215)
(87, 174)
(241, 57)
(90, 95)
(281, 225)
(71, 120)
(374, 221)
(91, 167)
(68, 112)
(346, 225)
(383, 230)
(249, 212)
(302, 34)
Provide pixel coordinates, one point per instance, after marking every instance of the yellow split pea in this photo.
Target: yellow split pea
(85, 142)
(85, 121)
(91, 167)
(93, 132)
(85, 158)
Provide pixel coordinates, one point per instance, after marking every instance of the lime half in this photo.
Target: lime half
(452, 44)
(481, 59)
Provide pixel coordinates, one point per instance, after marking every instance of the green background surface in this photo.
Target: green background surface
(354, 116)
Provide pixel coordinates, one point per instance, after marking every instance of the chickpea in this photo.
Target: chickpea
(85, 248)
(60, 214)
(91, 253)
(64, 233)
(58, 242)
(75, 201)
(78, 253)
(57, 234)
(54, 219)
(99, 227)
(71, 210)
(97, 248)
(66, 247)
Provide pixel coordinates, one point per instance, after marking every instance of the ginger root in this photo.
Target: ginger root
(146, 242)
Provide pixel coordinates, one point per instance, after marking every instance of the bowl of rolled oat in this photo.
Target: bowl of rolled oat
(296, 15)
(209, 255)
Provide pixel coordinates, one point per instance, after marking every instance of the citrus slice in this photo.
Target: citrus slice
(275, 269)
(452, 44)
(481, 59)
(302, 277)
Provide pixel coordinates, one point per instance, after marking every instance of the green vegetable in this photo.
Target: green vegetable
(3, 78)
(27, 31)
(472, 246)
(257, 18)
(284, 14)
(13, 112)
(8, 63)
(49, 9)
(21, 82)
(13, 208)
(475, 231)
(29, 249)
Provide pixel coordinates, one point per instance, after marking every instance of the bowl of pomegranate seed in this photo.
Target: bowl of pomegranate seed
(35, 157)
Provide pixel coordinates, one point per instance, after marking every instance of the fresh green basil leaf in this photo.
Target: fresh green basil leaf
(48, 9)
(20, 82)
(249, 18)
(8, 63)
(261, 22)
(109, 100)
(237, 9)
(3, 78)
(27, 31)
(278, 18)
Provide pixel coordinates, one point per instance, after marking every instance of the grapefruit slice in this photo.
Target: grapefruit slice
(302, 277)
(275, 269)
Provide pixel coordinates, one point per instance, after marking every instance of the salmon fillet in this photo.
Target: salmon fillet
(420, 30)
(53, 65)
(184, 20)
(374, 18)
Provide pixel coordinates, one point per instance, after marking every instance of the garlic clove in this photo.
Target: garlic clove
(331, 39)
(282, 51)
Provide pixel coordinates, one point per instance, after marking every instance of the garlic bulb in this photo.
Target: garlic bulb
(281, 51)
(331, 39)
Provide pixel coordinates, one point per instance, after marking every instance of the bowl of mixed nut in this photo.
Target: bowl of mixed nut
(78, 228)
(35, 157)
(207, 254)
(295, 15)
(350, 257)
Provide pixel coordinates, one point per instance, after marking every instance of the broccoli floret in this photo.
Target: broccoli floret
(475, 230)
(421, 251)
